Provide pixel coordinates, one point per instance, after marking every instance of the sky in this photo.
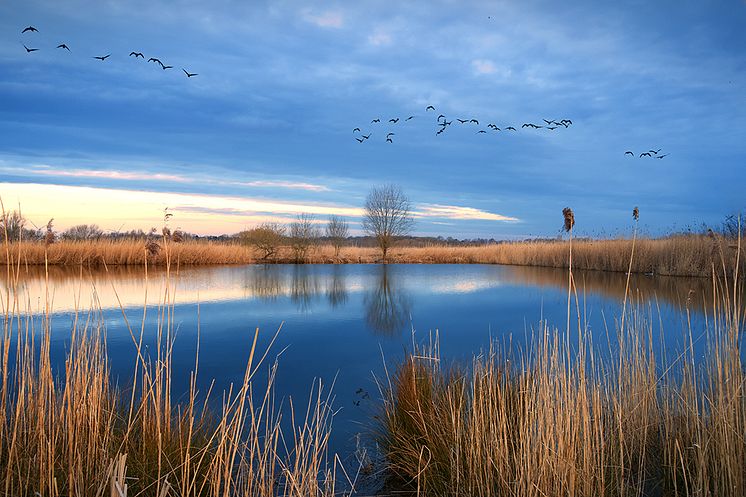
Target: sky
(264, 131)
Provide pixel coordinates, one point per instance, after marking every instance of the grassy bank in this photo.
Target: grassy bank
(561, 418)
(674, 256)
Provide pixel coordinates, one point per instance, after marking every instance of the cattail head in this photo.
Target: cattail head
(178, 236)
(635, 213)
(152, 247)
(166, 232)
(49, 235)
(569, 218)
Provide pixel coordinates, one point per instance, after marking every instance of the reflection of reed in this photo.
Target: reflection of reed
(304, 285)
(677, 291)
(336, 290)
(387, 309)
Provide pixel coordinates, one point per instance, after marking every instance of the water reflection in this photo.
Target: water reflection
(336, 290)
(387, 307)
(387, 292)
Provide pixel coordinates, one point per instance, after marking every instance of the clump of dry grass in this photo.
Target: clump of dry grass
(558, 419)
(76, 434)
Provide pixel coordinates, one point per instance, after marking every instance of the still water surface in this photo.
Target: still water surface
(339, 322)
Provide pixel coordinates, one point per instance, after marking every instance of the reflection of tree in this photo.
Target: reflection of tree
(303, 287)
(264, 282)
(387, 310)
(336, 291)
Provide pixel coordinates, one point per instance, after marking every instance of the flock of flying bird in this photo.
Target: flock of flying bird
(443, 123)
(63, 46)
(649, 153)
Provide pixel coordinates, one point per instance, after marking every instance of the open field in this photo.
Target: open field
(674, 256)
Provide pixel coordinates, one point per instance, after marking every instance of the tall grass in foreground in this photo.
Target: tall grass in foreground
(76, 434)
(561, 419)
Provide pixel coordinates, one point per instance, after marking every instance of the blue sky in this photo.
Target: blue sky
(265, 130)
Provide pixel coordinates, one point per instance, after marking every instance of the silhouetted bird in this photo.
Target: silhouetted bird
(462, 121)
(440, 130)
(481, 131)
(661, 156)
(103, 58)
(189, 74)
(646, 153)
(446, 123)
(360, 140)
(474, 121)
(62, 45)
(167, 67)
(389, 140)
(496, 128)
(366, 137)
(30, 28)
(548, 122)
(429, 107)
(153, 59)
(410, 117)
(510, 128)
(441, 116)
(654, 151)
(137, 54)
(526, 125)
(566, 121)
(390, 134)
(552, 127)
(29, 50)
(394, 120)
(375, 121)
(628, 152)
(356, 129)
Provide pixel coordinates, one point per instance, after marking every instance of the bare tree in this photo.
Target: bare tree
(303, 235)
(337, 231)
(387, 216)
(12, 225)
(83, 232)
(267, 238)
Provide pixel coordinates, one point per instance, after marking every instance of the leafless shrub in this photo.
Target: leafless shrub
(266, 238)
(83, 232)
(337, 231)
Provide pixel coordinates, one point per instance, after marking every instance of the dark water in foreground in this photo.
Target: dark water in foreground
(338, 322)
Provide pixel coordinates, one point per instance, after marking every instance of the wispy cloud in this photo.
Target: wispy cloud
(482, 66)
(462, 213)
(291, 185)
(105, 174)
(380, 38)
(328, 19)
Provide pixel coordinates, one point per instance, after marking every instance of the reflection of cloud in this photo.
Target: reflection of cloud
(328, 19)
(457, 212)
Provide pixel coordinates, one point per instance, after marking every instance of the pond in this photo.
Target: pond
(341, 322)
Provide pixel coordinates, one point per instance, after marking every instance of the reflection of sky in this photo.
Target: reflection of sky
(265, 130)
(339, 321)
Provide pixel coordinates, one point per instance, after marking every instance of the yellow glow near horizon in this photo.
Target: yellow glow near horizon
(119, 209)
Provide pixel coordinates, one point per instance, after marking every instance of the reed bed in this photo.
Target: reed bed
(72, 432)
(561, 419)
(692, 255)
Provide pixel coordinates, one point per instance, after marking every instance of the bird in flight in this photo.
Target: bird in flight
(661, 156)
(189, 74)
(440, 130)
(103, 58)
(429, 107)
(137, 54)
(510, 128)
(474, 121)
(646, 153)
(394, 120)
(462, 121)
(375, 121)
(366, 137)
(654, 151)
(29, 50)
(389, 140)
(548, 122)
(629, 152)
(356, 129)
(390, 134)
(410, 117)
(481, 131)
(62, 45)
(153, 59)
(441, 116)
(566, 122)
(552, 127)
(30, 28)
(360, 140)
